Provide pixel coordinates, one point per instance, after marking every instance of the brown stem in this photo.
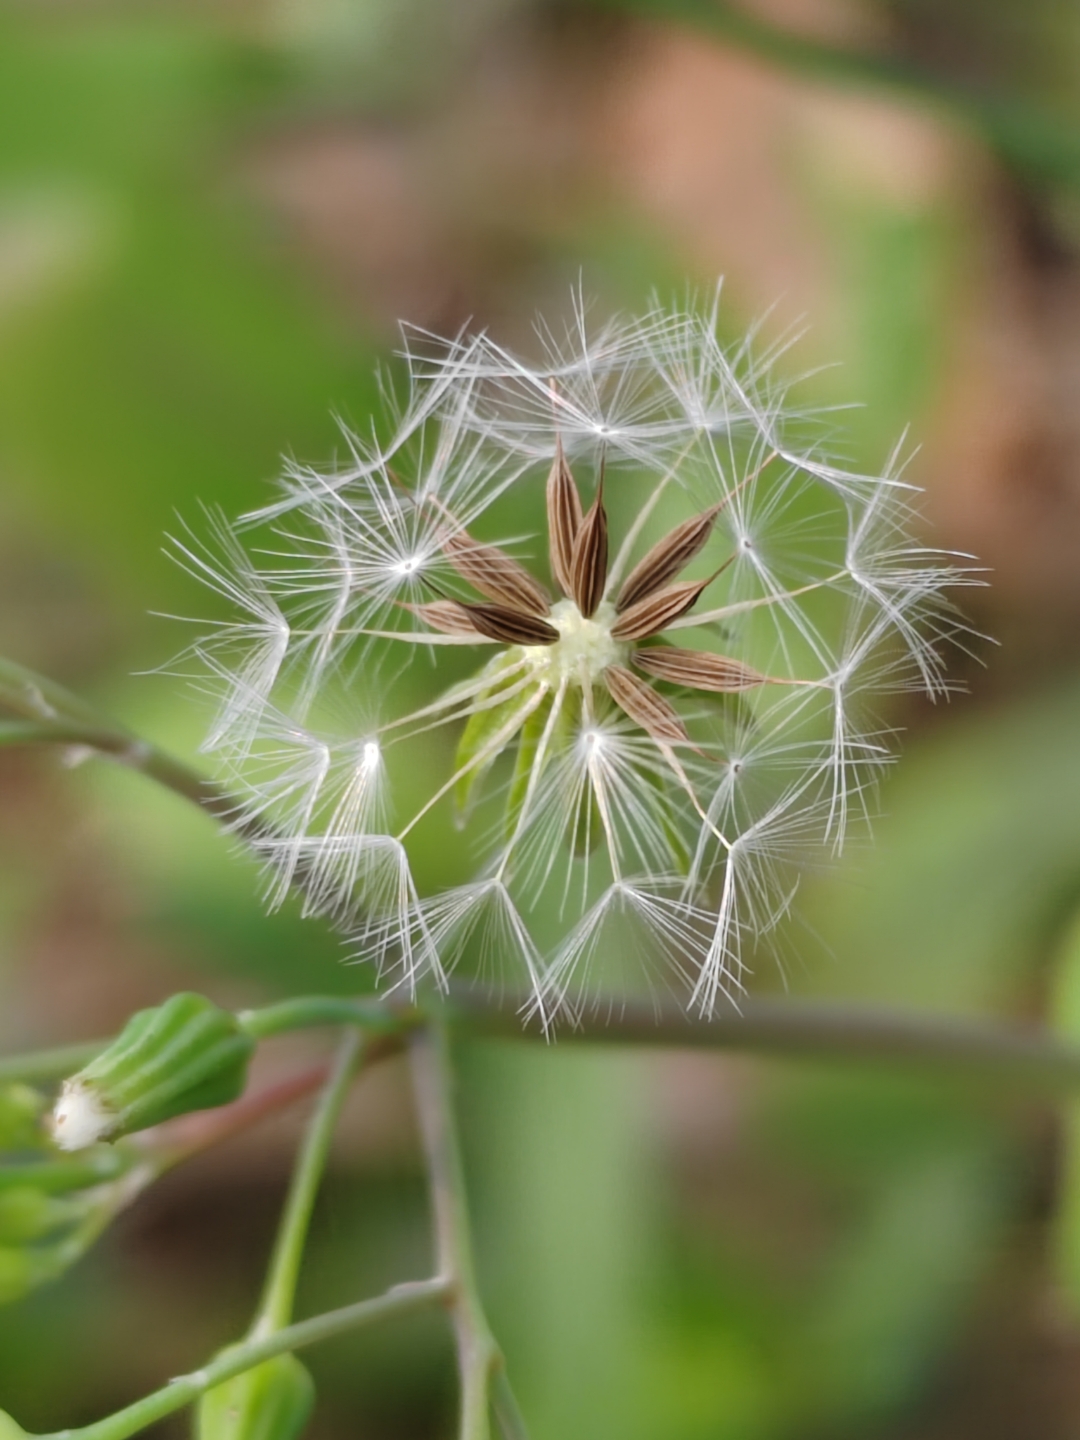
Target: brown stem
(479, 1358)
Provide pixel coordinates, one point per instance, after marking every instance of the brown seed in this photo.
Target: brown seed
(588, 564)
(697, 669)
(564, 518)
(667, 557)
(644, 706)
(495, 574)
(509, 626)
(448, 616)
(650, 616)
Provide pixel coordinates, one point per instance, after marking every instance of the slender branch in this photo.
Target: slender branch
(275, 1309)
(796, 1029)
(812, 1029)
(479, 1357)
(400, 1300)
(1028, 136)
(54, 715)
(374, 1016)
(43, 1065)
(504, 1403)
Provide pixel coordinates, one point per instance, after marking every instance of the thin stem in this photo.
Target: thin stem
(797, 1029)
(479, 1357)
(809, 1029)
(275, 1309)
(56, 716)
(382, 1017)
(54, 1064)
(504, 1403)
(400, 1300)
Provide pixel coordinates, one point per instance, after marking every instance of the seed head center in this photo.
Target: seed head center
(585, 646)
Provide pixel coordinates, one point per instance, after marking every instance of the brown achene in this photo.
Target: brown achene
(517, 609)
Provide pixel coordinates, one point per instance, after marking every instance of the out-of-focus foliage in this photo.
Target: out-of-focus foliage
(206, 215)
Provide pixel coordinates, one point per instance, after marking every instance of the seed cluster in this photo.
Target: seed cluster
(520, 611)
(632, 809)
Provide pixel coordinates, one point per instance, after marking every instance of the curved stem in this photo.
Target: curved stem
(275, 1308)
(56, 716)
(53, 715)
(400, 1300)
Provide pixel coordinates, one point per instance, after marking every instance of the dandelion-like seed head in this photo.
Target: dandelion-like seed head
(563, 677)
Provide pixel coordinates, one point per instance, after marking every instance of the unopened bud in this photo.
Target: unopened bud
(20, 1114)
(272, 1401)
(20, 1272)
(28, 1213)
(184, 1055)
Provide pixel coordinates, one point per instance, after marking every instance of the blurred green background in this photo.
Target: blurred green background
(212, 215)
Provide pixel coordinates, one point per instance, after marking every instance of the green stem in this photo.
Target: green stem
(799, 1029)
(53, 715)
(41, 1065)
(400, 1300)
(34, 697)
(275, 1308)
(504, 1403)
(479, 1357)
(375, 1016)
(795, 1029)
(808, 1029)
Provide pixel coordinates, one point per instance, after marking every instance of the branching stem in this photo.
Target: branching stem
(794, 1029)
(480, 1360)
(185, 1389)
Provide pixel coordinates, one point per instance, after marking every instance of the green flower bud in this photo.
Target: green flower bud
(28, 1213)
(21, 1270)
(53, 1211)
(20, 1114)
(184, 1055)
(270, 1402)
